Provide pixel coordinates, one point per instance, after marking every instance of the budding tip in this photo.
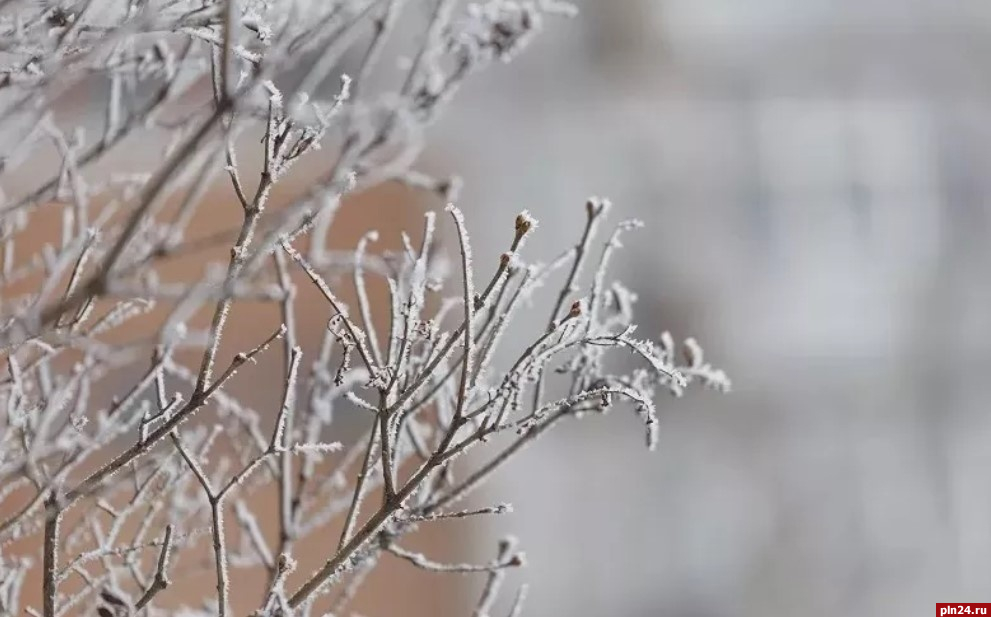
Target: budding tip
(596, 206)
(524, 223)
(576, 309)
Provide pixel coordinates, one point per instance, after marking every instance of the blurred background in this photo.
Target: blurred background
(814, 179)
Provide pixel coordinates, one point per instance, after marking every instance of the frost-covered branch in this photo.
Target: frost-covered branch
(123, 439)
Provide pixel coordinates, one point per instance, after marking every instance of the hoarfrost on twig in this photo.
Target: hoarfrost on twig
(109, 496)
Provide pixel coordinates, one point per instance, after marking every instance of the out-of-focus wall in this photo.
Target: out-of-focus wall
(813, 176)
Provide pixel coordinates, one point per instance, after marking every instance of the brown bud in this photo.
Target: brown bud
(576, 309)
(524, 223)
(596, 206)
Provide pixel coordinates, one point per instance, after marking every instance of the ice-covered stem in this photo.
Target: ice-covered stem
(161, 580)
(491, 590)
(517, 608)
(240, 252)
(422, 561)
(94, 481)
(469, 308)
(359, 486)
(217, 498)
(386, 449)
(97, 283)
(365, 307)
(53, 519)
(292, 356)
(594, 210)
(358, 336)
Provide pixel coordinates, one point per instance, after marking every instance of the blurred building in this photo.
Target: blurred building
(813, 176)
